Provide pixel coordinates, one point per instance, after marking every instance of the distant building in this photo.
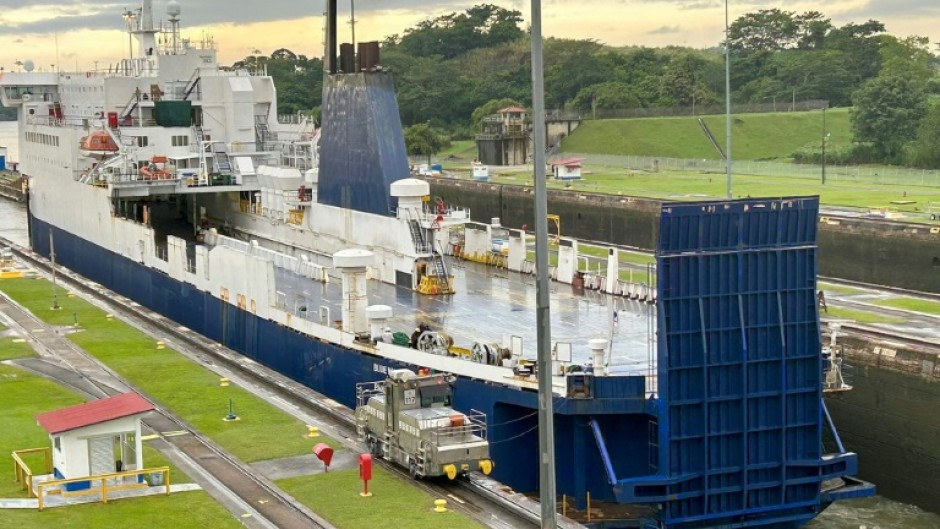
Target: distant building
(505, 138)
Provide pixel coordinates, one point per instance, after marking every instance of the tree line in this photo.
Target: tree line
(453, 69)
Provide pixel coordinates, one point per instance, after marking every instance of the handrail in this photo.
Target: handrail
(22, 471)
(103, 490)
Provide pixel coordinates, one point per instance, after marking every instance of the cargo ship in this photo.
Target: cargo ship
(313, 251)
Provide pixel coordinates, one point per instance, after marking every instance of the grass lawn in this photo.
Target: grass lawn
(10, 348)
(394, 504)
(838, 289)
(462, 149)
(191, 391)
(756, 136)
(860, 316)
(185, 510)
(918, 305)
(24, 395)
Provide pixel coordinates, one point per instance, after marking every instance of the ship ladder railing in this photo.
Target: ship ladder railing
(417, 235)
(367, 390)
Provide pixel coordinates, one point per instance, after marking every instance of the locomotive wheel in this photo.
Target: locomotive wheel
(413, 470)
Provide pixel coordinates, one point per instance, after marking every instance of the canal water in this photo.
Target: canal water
(870, 513)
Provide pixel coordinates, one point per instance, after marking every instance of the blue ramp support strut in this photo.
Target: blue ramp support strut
(832, 427)
(602, 446)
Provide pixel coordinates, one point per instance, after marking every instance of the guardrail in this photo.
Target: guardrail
(22, 471)
(104, 488)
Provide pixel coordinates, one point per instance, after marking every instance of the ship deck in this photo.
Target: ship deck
(491, 305)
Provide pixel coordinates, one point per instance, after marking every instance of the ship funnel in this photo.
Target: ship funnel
(352, 264)
(598, 345)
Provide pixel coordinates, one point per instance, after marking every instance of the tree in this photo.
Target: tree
(887, 113)
(610, 95)
(455, 34)
(686, 79)
(767, 29)
(422, 140)
(924, 152)
(909, 57)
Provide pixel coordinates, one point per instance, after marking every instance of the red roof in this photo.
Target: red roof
(568, 162)
(513, 108)
(94, 412)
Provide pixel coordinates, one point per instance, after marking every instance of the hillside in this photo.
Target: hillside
(754, 136)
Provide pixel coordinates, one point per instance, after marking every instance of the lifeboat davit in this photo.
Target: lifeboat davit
(98, 144)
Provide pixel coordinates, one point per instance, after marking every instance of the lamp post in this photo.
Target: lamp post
(727, 102)
(825, 136)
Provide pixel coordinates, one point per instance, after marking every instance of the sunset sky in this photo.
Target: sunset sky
(75, 34)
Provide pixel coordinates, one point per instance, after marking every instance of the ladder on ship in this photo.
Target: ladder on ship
(417, 236)
(438, 269)
(261, 131)
(223, 163)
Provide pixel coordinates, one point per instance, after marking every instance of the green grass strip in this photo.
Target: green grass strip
(914, 304)
(335, 496)
(860, 316)
(191, 391)
(185, 510)
(839, 289)
(11, 348)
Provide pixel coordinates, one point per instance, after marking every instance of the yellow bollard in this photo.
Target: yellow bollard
(589, 506)
(109, 317)
(313, 431)
(223, 382)
(440, 505)
(564, 505)
(161, 345)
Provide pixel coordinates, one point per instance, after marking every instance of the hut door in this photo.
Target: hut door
(100, 455)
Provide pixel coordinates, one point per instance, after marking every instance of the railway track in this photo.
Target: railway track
(476, 497)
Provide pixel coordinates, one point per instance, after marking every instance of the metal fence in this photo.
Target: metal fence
(698, 110)
(834, 173)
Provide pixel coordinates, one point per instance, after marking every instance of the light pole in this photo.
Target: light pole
(129, 18)
(727, 102)
(824, 137)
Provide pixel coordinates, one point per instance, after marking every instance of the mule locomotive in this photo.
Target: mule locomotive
(408, 419)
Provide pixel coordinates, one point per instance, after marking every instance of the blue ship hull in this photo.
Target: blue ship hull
(608, 445)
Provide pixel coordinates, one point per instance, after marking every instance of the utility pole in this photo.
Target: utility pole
(542, 309)
(55, 291)
(727, 102)
(824, 147)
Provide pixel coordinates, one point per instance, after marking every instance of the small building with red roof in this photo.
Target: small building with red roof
(567, 169)
(97, 437)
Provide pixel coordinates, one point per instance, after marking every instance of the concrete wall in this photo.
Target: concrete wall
(890, 420)
(894, 254)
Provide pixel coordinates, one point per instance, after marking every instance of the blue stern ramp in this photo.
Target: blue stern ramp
(740, 415)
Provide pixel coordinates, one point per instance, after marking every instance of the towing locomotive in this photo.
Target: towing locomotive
(408, 419)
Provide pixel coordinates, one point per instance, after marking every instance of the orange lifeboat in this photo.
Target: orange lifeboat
(99, 144)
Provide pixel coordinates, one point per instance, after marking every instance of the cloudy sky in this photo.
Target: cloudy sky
(76, 33)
